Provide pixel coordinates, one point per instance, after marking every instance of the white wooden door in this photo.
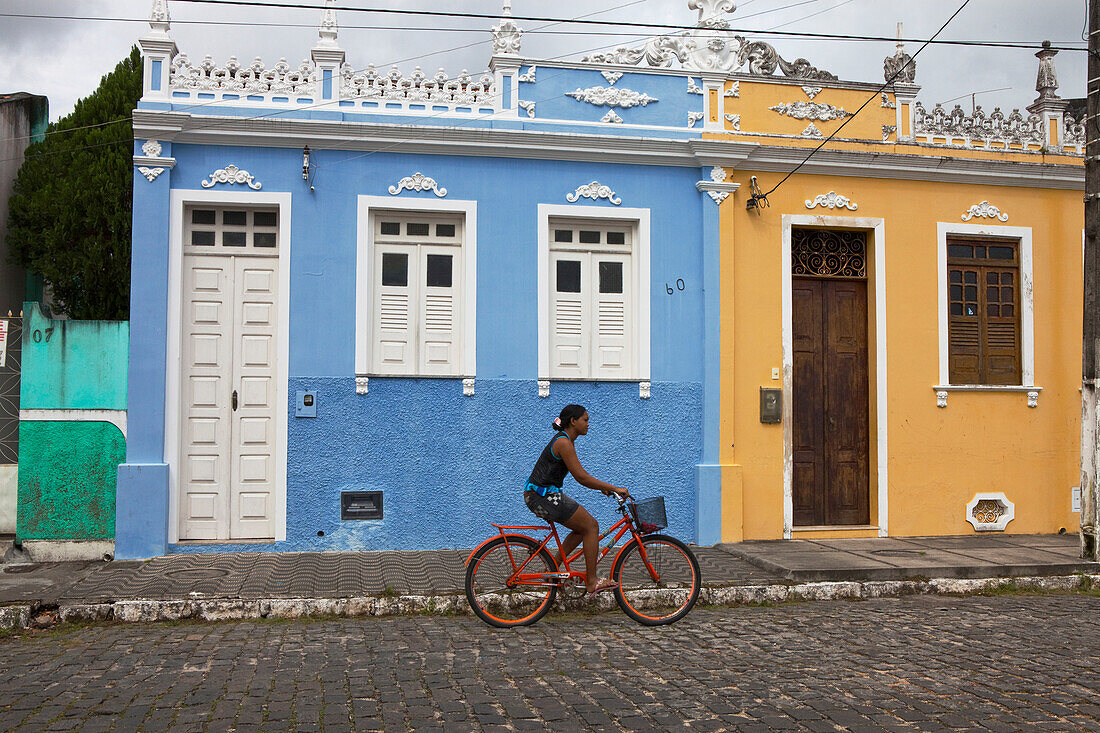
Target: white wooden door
(569, 308)
(611, 278)
(395, 294)
(252, 494)
(229, 436)
(206, 387)
(441, 277)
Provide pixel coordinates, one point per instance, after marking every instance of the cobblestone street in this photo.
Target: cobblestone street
(918, 663)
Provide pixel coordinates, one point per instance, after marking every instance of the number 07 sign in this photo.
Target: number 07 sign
(3, 343)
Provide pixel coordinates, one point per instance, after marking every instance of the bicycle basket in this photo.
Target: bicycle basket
(649, 514)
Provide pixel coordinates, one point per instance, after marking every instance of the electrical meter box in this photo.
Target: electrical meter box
(306, 404)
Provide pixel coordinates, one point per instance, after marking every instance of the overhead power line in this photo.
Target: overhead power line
(1060, 46)
(587, 21)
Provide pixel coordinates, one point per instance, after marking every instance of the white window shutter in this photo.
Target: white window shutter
(439, 325)
(569, 320)
(395, 316)
(611, 327)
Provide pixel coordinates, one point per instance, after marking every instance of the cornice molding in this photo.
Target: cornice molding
(154, 160)
(181, 127)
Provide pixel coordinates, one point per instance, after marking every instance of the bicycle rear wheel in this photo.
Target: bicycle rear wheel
(493, 599)
(671, 595)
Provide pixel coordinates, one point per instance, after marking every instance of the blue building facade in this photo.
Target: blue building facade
(359, 298)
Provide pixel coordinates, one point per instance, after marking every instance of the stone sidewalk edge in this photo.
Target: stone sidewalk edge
(215, 609)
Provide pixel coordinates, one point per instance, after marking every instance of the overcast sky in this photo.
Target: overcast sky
(64, 58)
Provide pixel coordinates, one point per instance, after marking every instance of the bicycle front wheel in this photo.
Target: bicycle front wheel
(663, 599)
(494, 599)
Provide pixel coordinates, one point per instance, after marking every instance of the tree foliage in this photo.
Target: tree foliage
(70, 213)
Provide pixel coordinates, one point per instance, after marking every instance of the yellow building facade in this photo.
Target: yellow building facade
(900, 311)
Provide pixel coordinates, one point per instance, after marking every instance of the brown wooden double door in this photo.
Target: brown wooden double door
(830, 407)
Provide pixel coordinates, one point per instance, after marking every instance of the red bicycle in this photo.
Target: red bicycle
(512, 579)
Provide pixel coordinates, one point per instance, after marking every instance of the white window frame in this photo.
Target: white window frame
(180, 199)
(364, 293)
(945, 229)
(640, 267)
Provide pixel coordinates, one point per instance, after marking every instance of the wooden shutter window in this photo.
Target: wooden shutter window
(983, 312)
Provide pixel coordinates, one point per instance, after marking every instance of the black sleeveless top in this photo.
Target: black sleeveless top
(550, 470)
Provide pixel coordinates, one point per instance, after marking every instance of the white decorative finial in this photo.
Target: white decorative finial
(506, 34)
(327, 30)
(901, 43)
(158, 16)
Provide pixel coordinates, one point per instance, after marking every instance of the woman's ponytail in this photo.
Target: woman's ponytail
(569, 413)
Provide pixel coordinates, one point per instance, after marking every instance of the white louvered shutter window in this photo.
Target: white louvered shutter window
(418, 295)
(591, 300)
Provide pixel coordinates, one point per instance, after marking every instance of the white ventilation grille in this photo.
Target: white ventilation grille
(568, 318)
(612, 318)
(395, 312)
(438, 313)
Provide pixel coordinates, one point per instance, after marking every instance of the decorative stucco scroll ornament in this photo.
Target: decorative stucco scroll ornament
(1032, 399)
(252, 79)
(694, 88)
(941, 398)
(611, 97)
(718, 188)
(232, 174)
(612, 118)
(544, 388)
(361, 385)
(529, 77)
(506, 34)
(158, 16)
(711, 46)
(468, 387)
(812, 131)
(734, 120)
(886, 103)
(1046, 82)
(417, 87)
(594, 191)
(418, 182)
(528, 107)
(812, 92)
(990, 512)
(887, 131)
(734, 90)
(611, 76)
(900, 68)
(811, 111)
(644, 390)
(150, 173)
(832, 200)
(978, 129)
(327, 29)
(1074, 131)
(985, 210)
(151, 148)
(694, 117)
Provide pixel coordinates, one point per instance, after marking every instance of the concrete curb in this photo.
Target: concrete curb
(215, 609)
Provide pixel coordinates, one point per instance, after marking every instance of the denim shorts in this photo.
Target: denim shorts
(556, 507)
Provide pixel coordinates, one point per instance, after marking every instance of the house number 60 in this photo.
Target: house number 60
(679, 286)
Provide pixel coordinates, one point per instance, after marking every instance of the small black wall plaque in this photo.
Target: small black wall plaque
(361, 505)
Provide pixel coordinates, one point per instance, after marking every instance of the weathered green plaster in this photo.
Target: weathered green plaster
(67, 479)
(73, 365)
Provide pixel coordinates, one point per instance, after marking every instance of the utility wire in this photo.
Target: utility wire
(1062, 46)
(756, 198)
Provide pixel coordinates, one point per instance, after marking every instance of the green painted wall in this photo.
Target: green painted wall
(73, 365)
(67, 479)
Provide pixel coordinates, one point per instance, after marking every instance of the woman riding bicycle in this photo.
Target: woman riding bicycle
(544, 497)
